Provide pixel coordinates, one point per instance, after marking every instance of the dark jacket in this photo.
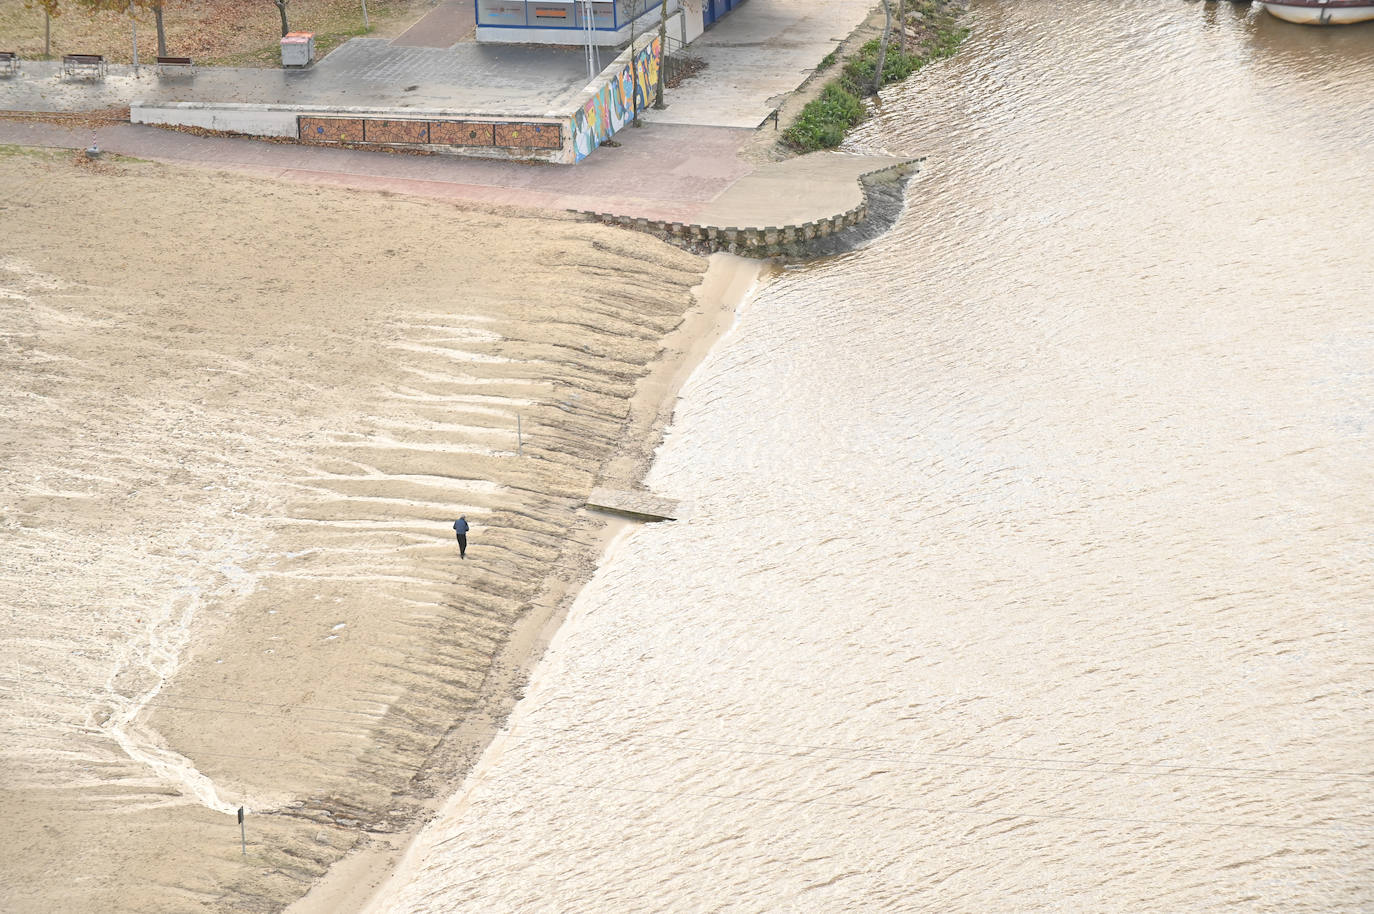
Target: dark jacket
(461, 525)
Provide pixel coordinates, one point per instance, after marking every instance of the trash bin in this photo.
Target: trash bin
(297, 49)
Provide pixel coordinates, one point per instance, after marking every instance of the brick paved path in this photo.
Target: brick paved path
(444, 26)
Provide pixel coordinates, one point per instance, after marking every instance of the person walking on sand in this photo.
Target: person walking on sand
(460, 526)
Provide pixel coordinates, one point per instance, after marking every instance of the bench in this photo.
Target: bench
(92, 65)
(172, 64)
(9, 63)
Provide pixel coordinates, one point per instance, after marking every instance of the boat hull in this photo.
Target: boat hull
(1320, 13)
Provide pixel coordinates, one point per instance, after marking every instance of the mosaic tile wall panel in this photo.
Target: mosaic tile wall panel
(376, 130)
(331, 129)
(451, 133)
(529, 136)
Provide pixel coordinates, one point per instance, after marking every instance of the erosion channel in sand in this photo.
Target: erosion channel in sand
(239, 418)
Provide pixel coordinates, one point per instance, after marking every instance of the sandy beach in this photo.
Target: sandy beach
(239, 419)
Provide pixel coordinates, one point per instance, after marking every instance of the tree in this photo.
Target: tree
(161, 32)
(882, 46)
(281, 8)
(634, 70)
(901, 24)
(662, 51)
(51, 9)
(128, 6)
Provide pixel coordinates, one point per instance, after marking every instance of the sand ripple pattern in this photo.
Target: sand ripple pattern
(96, 621)
(1032, 559)
(226, 489)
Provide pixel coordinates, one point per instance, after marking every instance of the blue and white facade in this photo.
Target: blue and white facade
(607, 23)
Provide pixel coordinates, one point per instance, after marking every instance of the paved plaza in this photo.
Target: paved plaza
(508, 80)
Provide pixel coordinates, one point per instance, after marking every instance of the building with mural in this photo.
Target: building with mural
(604, 23)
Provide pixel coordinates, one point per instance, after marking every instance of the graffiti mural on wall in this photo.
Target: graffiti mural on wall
(615, 104)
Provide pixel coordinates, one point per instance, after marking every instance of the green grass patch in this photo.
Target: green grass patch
(824, 120)
(46, 153)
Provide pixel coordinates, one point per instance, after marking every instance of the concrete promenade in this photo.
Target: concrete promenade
(684, 165)
(757, 55)
(697, 178)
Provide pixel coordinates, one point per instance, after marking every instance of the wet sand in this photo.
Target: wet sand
(239, 418)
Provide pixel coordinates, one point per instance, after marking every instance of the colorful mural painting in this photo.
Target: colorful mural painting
(626, 93)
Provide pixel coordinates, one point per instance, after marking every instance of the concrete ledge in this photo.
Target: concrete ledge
(640, 505)
(255, 120)
(284, 121)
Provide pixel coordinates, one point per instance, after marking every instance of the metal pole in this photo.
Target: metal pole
(589, 39)
(365, 25)
(243, 834)
(134, 22)
(587, 36)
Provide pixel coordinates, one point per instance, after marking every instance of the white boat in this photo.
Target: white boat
(1321, 12)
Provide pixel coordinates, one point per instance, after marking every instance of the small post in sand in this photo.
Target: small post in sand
(243, 834)
(519, 438)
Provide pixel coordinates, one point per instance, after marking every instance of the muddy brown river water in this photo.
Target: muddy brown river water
(1031, 566)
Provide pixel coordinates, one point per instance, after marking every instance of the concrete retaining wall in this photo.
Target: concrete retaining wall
(612, 100)
(254, 120)
(532, 139)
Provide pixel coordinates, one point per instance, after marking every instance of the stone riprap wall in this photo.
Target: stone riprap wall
(761, 241)
(621, 91)
(882, 200)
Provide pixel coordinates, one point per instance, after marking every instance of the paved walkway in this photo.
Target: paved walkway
(755, 56)
(444, 26)
(660, 172)
(657, 172)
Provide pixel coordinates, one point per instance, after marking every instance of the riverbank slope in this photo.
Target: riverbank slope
(240, 427)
